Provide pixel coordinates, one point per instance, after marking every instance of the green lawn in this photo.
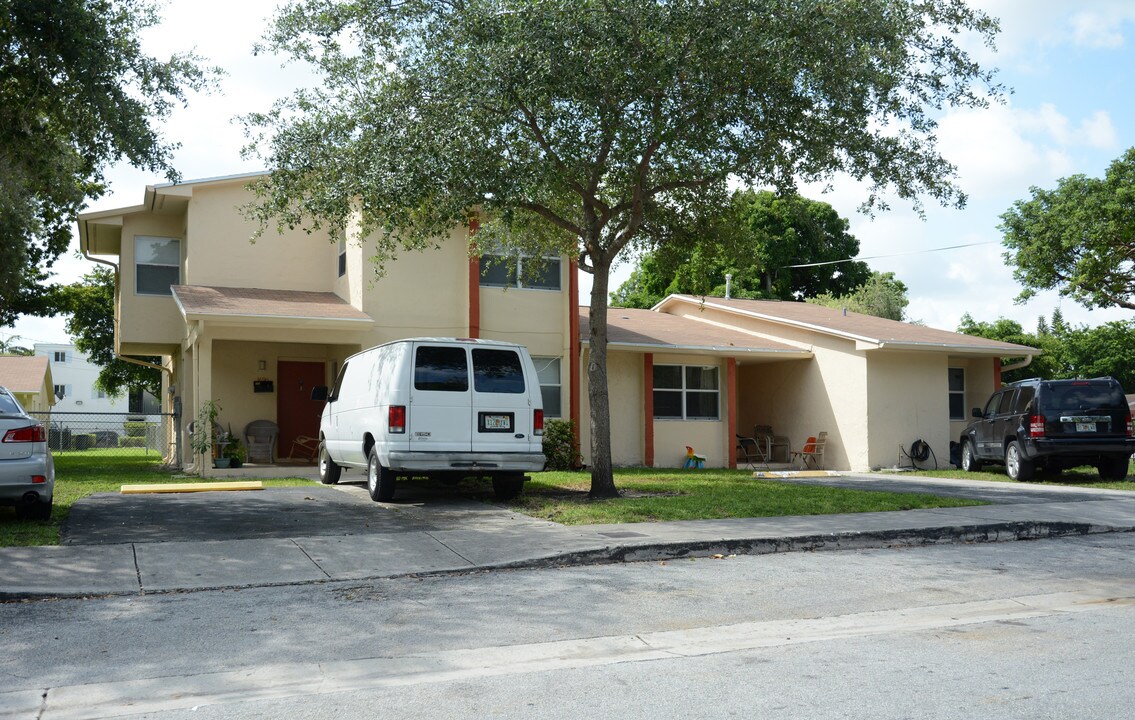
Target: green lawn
(1081, 476)
(663, 494)
(78, 475)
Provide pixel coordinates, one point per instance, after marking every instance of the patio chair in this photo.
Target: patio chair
(306, 447)
(771, 441)
(260, 438)
(751, 453)
(812, 454)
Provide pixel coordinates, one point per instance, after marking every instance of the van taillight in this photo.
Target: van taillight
(1036, 426)
(538, 422)
(31, 433)
(396, 420)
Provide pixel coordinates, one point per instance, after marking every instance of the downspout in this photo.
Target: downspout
(728, 285)
(143, 363)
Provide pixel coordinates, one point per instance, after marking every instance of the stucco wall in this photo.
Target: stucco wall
(979, 386)
(907, 401)
(624, 388)
(220, 253)
(147, 321)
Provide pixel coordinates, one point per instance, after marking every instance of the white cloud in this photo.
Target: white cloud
(1097, 30)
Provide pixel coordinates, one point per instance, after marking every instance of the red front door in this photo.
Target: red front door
(296, 413)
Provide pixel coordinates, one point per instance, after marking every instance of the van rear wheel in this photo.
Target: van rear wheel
(329, 471)
(506, 487)
(380, 480)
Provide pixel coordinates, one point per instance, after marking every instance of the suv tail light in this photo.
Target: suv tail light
(1036, 426)
(1130, 427)
(396, 420)
(538, 422)
(36, 433)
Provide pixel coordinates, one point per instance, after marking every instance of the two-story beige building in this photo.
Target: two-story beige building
(254, 326)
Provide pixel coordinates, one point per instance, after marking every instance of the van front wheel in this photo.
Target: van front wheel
(506, 487)
(380, 480)
(329, 471)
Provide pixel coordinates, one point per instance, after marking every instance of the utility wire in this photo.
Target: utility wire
(876, 257)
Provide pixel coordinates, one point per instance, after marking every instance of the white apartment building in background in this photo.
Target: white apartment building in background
(74, 376)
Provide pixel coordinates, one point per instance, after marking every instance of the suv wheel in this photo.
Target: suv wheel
(380, 480)
(1113, 468)
(970, 463)
(1017, 467)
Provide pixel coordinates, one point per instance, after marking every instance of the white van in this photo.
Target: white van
(438, 407)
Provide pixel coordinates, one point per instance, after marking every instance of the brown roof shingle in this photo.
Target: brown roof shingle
(22, 374)
(627, 326)
(856, 326)
(256, 302)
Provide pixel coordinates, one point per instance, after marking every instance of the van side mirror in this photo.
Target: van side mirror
(976, 412)
(319, 392)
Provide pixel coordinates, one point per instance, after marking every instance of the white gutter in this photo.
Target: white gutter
(1017, 365)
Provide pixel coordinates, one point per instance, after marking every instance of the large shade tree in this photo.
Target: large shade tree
(1078, 239)
(771, 245)
(578, 125)
(76, 95)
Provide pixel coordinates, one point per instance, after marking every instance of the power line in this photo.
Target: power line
(876, 257)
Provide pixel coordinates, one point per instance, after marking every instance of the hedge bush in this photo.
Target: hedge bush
(135, 428)
(559, 445)
(132, 441)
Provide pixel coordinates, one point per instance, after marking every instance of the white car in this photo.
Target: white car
(27, 472)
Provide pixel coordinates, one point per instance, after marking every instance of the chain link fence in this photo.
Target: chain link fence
(110, 434)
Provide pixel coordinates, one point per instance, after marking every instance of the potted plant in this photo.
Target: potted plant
(235, 452)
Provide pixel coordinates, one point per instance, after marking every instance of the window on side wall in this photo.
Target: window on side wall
(957, 384)
(342, 256)
(686, 392)
(548, 371)
(60, 356)
(157, 264)
(520, 271)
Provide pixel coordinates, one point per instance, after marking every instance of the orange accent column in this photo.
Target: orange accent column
(574, 381)
(732, 397)
(648, 409)
(474, 282)
(996, 373)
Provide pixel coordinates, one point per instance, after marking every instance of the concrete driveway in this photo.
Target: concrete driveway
(285, 512)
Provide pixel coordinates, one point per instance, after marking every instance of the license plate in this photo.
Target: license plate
(1086, 427)
(498, 422)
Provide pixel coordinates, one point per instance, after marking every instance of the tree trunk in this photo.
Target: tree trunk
(602, 476)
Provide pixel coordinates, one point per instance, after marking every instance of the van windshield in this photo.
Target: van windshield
(1085, 398)
(497, 371)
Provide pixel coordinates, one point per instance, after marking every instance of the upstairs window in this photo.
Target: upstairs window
(513, 269)
(59, 356)
(157, 264)
(342, 256)
(62, 391)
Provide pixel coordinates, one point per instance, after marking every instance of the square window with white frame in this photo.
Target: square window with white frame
(957, 388)
(686, 392)
(551, 385)
(157, 264)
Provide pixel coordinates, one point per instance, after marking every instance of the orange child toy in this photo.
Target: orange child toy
(693, 460)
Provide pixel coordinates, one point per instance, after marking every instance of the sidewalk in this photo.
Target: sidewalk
(415, 539)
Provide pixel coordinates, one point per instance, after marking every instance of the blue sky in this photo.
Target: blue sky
(1071, 66)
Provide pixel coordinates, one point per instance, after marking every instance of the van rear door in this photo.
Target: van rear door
(440, 399)
(502, 409)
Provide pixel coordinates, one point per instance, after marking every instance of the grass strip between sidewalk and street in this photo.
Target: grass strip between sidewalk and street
(658, 495)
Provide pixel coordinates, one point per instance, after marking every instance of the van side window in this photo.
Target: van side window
(497, 371)
(442, 369)
(338, 384)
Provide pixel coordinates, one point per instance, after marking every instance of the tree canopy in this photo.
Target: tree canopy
(1078, 239)
(1069, 351)
(90, 304)
(758, 240)
(76, 95)
(586, 126)
(882, 295)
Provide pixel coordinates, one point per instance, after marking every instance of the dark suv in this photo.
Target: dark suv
(1051, 425)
